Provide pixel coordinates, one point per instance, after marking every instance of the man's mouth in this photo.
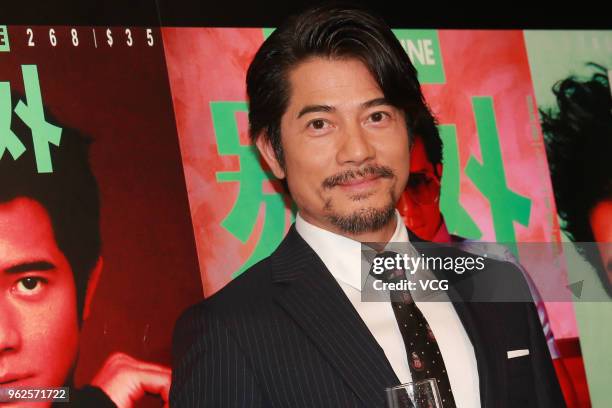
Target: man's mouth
(362, 178)
(359, 182)
(13, 379)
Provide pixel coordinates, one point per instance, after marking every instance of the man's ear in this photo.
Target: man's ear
(269, 155)
(92, 285)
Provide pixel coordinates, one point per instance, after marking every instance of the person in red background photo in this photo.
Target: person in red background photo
(420, 208)
(578, 135)
(50, 263)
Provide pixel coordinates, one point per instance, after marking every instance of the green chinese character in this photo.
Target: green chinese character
(33, 115)
(457, 219)
(8, 140)
(490, 177)
(4, 39)
(241, 220)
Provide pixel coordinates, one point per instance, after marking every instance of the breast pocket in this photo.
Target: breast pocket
(520, 380)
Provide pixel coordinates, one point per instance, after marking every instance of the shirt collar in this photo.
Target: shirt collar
(342, 255)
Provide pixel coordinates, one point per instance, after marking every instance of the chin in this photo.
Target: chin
(363, 220)
(367, 202)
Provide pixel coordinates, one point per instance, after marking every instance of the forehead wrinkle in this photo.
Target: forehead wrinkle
(318, 89)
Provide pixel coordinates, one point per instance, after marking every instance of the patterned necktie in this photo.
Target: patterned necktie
(424, 356)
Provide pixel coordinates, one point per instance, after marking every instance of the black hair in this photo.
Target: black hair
(428, 132)
(69, 194)
(330, 32)
(578, 139)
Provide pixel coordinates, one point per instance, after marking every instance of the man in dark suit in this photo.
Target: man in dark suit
(334, 101)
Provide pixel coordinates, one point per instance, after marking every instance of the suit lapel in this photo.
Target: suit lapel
(307, 291)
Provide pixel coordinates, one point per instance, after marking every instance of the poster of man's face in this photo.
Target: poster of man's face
(97, 258)
(39, 322)
(578, 133)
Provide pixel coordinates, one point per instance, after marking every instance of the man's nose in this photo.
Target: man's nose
(10, 339)
(356, 147)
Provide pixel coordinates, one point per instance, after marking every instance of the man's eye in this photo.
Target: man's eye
(378, 116)
(317, 124)
(30, 285)
(417, 180)
(414, 182)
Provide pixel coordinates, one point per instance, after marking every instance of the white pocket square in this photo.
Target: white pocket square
(517, 353)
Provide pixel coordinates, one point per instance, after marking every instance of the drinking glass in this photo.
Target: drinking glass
(419, 394)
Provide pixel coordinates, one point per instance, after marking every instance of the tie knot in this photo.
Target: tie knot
(386, 267)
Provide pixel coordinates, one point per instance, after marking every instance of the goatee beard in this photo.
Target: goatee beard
(364, 220)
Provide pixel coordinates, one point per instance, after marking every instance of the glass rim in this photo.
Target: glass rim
(411, 383)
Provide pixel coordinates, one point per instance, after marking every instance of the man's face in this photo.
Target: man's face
(345, 147)
(38, 312)
(601, 226)
(422, 197)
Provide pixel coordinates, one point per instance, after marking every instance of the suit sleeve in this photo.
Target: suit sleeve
(548, 390)
(209, 369)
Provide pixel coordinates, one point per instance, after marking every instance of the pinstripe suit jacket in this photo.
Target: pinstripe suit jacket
(283, 334)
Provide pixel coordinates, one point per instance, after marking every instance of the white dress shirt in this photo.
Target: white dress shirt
(342, 256)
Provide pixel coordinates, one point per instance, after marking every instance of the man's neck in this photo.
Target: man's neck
(381, 236)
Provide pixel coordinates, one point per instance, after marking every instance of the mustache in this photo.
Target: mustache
(348, 175)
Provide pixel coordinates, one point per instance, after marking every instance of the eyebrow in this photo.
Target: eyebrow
(326, 108)
(315, 108)
(375, 102)
(30, 267)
